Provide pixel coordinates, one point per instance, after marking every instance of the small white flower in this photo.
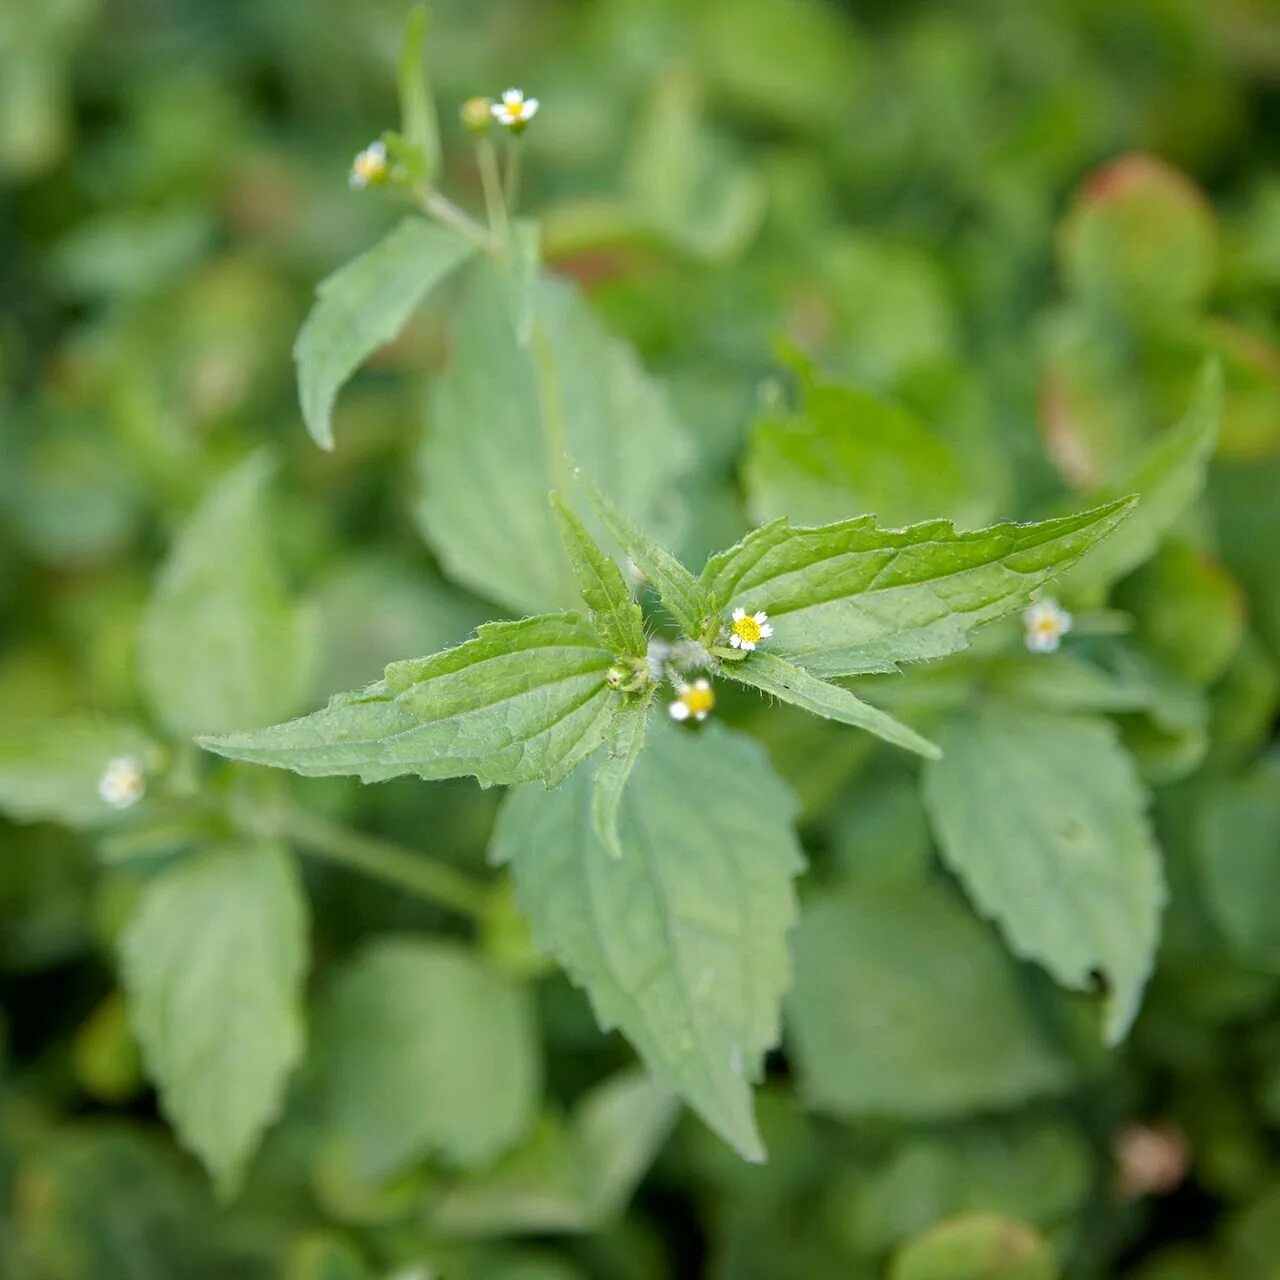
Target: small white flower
(515, 110)
(695, 701)
(748, 629)
(1046, 622)
(122, 782)
(370, 166)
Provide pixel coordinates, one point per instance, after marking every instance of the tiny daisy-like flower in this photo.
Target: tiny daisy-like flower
(476, 115)
(122, 782)
(748, 629)
(695, 701)
(369, 167)
(1046, 622)
(515, 110)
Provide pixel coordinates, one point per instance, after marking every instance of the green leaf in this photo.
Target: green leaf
(572, 1177)
(325, 1256)
(851, 597)
(220, 937)
(847, 452)
(982, 1246)
(417, 108)
(1044, 820)
(904, 1005)
(50, 769)
(512, 420)
(793, 684)
(424, 1050)
(614, 771)
(520, 701)
(681, 942)
(616, 615)
(1167, 478)
(362, 306)
(680, 592)
(221, 646)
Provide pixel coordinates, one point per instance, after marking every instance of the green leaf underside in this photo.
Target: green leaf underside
(680, 592)
(1043, 819)
(221, 646)
(521, 701)
(213, 964)
(1167, 478)
(850, 597)
(363, 306)
(614, 771)
(980, 1246)
(426, 1050)
(682, 942)
(50, 769)
(793, 684)
(616, 615)
(513, 419)
(906, 1006)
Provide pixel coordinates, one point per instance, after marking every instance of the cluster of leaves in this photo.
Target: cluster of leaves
(1024, 952)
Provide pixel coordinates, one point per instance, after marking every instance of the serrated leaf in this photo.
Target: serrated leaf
(512, 420)
(615, 614)
(221, 939)
(980, 1246)
(1167, 478)
(1044, 820)
(773, 675)
(904, 1005)
(221, 645)
(680, 592)
(614, 771)
(417, 107)
(850, 597)
(50, 769)
(362, 306)
(681, 942)
(424, 1049)
(520, 701)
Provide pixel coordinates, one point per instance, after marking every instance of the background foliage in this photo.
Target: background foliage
(979, 261)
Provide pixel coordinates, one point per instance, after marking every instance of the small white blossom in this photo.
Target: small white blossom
(1046, 622)
(370, 166)
(515, 110)
(695, 701)
(748, 629)
(122, 782)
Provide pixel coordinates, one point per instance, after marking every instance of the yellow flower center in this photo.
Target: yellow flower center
(1047, 626)
(748, 629)
(699, 698)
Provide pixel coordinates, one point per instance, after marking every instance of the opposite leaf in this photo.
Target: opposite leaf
(424, 1049)
(1044, 820)
(681, 942)
(793, 684)
(520, 701)
(362, 307)
(213, 963)
(221, 645)
(616, 615)
(850, 597)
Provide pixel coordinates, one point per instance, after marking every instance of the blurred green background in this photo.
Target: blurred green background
(1027, 222)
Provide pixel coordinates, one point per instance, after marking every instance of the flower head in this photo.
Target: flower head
(476, 115)
(1046, 622)
(515, 110)
(748, 629)
(122, 782)
(369, 168)
(694, 702)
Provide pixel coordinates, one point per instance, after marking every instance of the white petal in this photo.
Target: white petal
(530, 108)
(765, 631)
(761, 617)
(739, 613)
(735, 641)
(376, 151)
(499, 111)
(702, 715)
(512, 96)
(748, 645)
(678, 711)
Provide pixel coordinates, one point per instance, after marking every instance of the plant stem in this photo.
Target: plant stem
(383, 860)
(494, 200)
(444, 210)
(511, 183)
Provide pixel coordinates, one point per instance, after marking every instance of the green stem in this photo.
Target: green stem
(494, 200)
(391, 863)
(444, 210)
(511, 182)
